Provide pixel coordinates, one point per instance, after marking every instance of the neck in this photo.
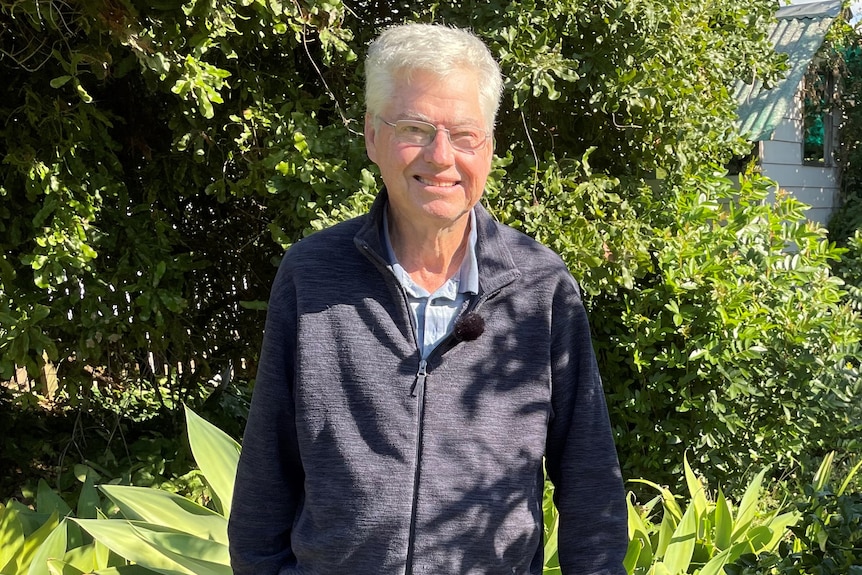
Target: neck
(430, 257)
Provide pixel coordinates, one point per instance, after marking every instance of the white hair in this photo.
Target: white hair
(430, 48)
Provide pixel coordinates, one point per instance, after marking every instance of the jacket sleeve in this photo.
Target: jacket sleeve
(269, 477)
(581, 459)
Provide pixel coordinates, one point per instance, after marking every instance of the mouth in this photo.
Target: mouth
(436, 183)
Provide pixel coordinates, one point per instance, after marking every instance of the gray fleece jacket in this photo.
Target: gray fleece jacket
(357, 460)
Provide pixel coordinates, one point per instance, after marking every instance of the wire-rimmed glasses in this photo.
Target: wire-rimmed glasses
(419, 133)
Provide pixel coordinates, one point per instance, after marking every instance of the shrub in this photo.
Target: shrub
(734, 341)
(827, 540)
(705, 536)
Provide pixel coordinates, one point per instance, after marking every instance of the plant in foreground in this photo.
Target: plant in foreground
(827, 540)
(705, 536)
(146, 531)
(153, 531)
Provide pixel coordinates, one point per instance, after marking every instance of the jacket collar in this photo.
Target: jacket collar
(496, 266)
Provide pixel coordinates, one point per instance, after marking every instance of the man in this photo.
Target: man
(421, 363)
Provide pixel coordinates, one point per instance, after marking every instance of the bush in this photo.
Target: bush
(849, 268)
(734, 341)
(827, 540)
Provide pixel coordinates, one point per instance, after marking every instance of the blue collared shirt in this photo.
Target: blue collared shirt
(435, 313)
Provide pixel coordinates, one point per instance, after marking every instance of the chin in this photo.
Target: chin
(450, 215)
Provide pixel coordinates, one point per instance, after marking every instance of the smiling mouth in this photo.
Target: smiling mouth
(435, 183)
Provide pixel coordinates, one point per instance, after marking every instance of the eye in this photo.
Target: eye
(414, 130)
(469, 137)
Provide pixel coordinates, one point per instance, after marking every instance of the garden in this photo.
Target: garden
(160, 156)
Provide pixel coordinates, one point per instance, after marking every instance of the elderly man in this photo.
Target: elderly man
(423, 365)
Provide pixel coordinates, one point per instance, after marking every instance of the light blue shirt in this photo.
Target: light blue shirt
(434, 313)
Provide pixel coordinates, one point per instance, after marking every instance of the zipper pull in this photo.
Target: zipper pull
(420, 377)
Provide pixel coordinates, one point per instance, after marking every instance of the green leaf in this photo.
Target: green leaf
(723, 522)
(821, 478)
(639, 550)
(633, 552)
(677, 558)
(661, 569)
(83, 94)
(59, 567)
(12, 536)
(125, 570)
(217, 454)
(748, 506)
(668, 500)
(34, 541)
(169, 509)
(49, 501)
(53, 547)
(778, 526)
(695, 488)
(124, 539)
(551, 542)
(86, 558)
(715, 566)
(759, 537)
(665, 533)
(850, 475)
(88, 500)
(199, 556)
(29, 520)
(59, 81)
(161, 548)
(161, 267)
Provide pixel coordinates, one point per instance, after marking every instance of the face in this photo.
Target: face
(435, 186)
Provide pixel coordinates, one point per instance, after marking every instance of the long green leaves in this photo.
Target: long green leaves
(217, 454)
(162, 507)
(156, 532)
(706, 535)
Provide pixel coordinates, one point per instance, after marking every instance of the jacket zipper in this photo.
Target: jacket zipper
(417, 390)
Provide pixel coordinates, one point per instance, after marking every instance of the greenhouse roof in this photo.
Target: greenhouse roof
(798, 32)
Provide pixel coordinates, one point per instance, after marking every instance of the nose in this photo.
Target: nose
(440, 150)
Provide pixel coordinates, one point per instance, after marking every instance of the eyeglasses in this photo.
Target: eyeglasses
(418, 133)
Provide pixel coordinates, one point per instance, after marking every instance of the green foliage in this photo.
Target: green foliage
(827, 540)
(850, 270)
(704, 536)
(707, 330)
(139, 530)
(122, 437)
(551, 520)
(727, 347)
(165, 153)
(133, 530)
(29, 538)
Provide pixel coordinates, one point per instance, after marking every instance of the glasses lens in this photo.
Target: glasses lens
(466, 138)
(413, 132)
(419, 133)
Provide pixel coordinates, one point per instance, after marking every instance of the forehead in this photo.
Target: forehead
(422, 95)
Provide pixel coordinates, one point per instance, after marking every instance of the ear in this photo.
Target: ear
(370, 138)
